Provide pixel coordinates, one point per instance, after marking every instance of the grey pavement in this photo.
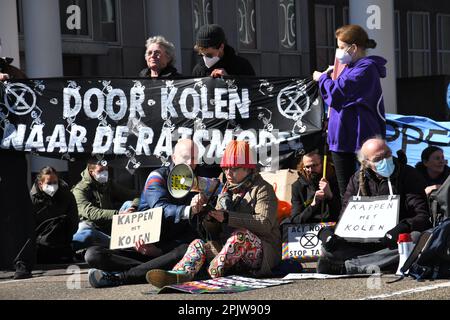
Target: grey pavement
(61, 283)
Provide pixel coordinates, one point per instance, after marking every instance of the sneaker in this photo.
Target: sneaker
(22, 271)
(103, 279)
(160, 278)
(327, 266)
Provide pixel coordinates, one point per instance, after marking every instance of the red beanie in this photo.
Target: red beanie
(238, 154)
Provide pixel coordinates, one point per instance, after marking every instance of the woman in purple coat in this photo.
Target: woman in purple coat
(355, 99)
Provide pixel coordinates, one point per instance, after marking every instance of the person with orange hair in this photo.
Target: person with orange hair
(250, 241)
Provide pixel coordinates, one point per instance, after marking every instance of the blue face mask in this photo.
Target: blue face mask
(385, 167)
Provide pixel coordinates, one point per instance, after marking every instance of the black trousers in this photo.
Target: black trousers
(345, 165)
(133, 264)
(16, 213)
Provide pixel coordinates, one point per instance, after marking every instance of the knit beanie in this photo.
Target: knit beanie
(210, 35)
(238, 154)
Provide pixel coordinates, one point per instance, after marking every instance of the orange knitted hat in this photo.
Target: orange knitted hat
(238, 154)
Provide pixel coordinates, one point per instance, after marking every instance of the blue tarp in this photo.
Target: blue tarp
(412, 134)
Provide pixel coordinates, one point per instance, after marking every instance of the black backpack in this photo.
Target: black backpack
(439, 201)
(430, 258)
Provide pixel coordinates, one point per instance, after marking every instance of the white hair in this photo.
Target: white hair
(167, 45)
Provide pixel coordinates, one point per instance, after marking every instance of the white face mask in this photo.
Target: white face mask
(209, 62)
(343, 56)
(101, 177)
(50, 189)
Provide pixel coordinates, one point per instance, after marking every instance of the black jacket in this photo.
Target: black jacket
(233, 65)
(168, 72)
(13, 72)
(428, 180)
(406, 182)
(62, 203)
(303, 194)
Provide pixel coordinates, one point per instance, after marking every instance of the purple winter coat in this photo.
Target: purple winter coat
(356, 101)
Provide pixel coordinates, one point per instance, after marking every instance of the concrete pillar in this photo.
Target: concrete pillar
(43, 54)
(42, 33)
(163, 18)
(9, 32)
(377, 18)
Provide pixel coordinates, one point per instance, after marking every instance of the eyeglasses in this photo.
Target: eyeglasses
(378, 158)
(156, 53)
(311, 166)
(231, 169)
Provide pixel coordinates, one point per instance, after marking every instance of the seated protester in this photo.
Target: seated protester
(56, 217)
(160, 58)
(96, 197)
(311, 189)
(218, 58)
(250, 241)
(377, 166)
(433, 167)
(129, 266)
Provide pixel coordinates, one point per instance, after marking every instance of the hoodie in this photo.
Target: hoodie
(356, 102)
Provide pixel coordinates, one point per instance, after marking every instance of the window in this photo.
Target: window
(345, 16)
(287, 25)
(443, 45)
(247, 24)
(325, 36)
(203, 13)
(68, 11)
(108, 22)
(418, 44)
(397, 43)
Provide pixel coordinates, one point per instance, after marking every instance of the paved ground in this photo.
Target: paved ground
(63, 284)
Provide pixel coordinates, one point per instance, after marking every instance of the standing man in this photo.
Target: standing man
(218, 58)
(16, 214)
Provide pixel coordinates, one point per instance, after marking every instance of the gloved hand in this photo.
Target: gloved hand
(330, 241)
(391, 237)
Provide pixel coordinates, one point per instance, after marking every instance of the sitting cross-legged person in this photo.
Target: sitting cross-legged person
(249, 240)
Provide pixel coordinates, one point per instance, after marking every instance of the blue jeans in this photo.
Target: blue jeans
(88, 236)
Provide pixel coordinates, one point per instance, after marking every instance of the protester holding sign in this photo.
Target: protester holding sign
(379, 171)
(250, 240)
(97, 195)
(310, 190)
(56, 217)
(355, 99)
(160, 58)
(433, 167)
(218, 58)
(129, 266)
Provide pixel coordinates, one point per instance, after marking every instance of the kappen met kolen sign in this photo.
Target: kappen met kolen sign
(129, 228)
(367, 219)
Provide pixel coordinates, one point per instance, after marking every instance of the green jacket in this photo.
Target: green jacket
(97, 203)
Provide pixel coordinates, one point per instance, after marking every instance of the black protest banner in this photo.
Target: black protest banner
(140, 120)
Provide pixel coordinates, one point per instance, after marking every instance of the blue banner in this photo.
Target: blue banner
(412, 134)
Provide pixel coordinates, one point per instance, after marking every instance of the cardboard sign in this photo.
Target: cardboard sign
(338, 68)
(368, 219)
(282, 181)
(300, 241)
(131, 227)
